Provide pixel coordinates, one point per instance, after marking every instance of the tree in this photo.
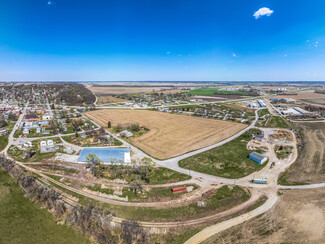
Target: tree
(93, 163)
(136, 187)
(109, 125)
(101, 131)
(146, 166)
(52, 106)
(132, 232)
(92, 158)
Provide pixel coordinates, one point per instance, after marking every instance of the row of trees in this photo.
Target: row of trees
(136, 173)
(90, 220)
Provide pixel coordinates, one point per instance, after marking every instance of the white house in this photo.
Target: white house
(50, 143)
(46, 117)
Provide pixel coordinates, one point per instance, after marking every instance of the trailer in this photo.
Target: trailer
(179, 189)
(260, 181)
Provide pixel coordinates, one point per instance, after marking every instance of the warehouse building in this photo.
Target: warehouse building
(117, 156)
(257, 157)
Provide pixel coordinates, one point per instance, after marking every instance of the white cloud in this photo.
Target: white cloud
(168, 52)
(49, 2)
(262, 12)
(235, 55)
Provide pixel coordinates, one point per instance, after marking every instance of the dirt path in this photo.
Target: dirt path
(214, 229)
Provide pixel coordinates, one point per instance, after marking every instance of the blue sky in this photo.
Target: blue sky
(162, 40)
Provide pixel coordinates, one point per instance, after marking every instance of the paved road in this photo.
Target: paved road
(11, 138)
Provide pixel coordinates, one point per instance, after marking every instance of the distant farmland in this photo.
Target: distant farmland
(215, 91)
(170, 135)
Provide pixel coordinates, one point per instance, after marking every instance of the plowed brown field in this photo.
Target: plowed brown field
(170, 135)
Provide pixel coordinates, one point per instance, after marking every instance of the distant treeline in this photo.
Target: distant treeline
(73, 94)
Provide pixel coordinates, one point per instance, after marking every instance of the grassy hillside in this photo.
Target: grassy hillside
(21, 221)
(229, 161)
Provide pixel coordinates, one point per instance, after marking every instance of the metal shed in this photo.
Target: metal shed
(257, 157)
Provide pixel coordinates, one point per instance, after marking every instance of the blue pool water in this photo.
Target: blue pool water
(104, 154)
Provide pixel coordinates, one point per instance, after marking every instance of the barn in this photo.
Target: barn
(257, 157)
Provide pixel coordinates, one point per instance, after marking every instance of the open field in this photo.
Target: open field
(303, 95)
(21, 221)
(298, 217)
(263, 112)
(320, 101)
(309, 167)
(107, 90)
(276, 122)
(214, 91)
(229, 161)
(237, 107)
(170, 134)
(109, 99)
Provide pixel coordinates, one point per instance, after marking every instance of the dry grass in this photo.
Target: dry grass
(298, 217)
(234, 106)
(310, 167)
(123, 90)
(170, 135)
(302, 95)
(110, 99)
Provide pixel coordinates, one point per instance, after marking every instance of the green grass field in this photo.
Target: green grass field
(229, 161)
(21, 221)
(164, 175)
(263, 112)
(214, 91)
(277, 122)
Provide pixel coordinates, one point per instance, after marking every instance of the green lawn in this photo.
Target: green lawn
(213, 91)
(154, 193)
(164, 175)
(263, 112)
(19, 155)
(277, 122)
(21, 221)
(229, 161)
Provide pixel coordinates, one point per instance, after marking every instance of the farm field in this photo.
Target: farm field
(320, 101)
(22, 221)
(302, 95)
(170, 134)
(214, 91)
(292, 220)
(229, 161)
(109, 90)
(309, 167)
(109, 99)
